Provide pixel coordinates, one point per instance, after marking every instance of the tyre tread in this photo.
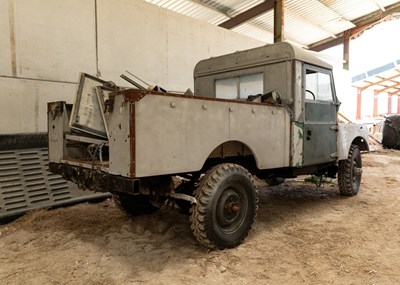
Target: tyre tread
(204, 196)
(344, 174)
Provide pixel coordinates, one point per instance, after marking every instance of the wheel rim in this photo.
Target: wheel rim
(231, 209)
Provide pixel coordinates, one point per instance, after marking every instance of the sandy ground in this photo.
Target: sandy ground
(302, 235)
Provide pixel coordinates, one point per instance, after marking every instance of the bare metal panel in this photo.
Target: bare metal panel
(320, 136)
(297, 144)
(25, 183)
(346, 135)
(177, 134)
(57, 125)
(120, 140)
(189, 129)
(265, 130)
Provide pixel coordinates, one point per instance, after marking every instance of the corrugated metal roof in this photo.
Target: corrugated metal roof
(306, 21)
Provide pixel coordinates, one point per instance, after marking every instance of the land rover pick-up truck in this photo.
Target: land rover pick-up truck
(270, 112)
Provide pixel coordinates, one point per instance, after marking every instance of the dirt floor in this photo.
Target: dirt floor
(303, 235)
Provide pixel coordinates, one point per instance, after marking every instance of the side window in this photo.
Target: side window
(226, 88)
(239, 87)
(318, 86)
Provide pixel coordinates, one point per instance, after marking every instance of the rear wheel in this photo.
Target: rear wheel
(226, 207)
(350, 171)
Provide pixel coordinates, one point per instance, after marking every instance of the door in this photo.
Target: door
(320, 119)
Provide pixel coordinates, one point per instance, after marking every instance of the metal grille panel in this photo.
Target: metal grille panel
(26, 183)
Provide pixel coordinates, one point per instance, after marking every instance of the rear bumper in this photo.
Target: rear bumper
(95, 180)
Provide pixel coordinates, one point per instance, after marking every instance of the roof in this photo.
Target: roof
(306, 22)
(385, 78)
(277, 52)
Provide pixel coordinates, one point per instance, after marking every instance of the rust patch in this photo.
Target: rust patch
(12, 37)
(134, 95)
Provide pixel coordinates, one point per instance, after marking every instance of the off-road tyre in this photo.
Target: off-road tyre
(226, 207)
(350, 171)
(134, 205)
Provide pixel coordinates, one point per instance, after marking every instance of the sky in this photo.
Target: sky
(375, 47)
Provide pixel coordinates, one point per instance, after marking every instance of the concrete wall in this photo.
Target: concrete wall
(45, 43)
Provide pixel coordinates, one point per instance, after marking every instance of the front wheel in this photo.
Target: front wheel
(350, 170)
(226, 207)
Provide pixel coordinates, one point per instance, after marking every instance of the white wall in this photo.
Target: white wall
(45, 43)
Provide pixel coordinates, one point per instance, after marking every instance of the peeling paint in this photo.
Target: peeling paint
(300, 134)
(297, 144)
(299, 130)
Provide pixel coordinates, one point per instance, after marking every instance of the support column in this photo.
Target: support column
(346, 52)
(279, 20)
(389, 103)
(376, 93)
(398, 104)
(358, 114)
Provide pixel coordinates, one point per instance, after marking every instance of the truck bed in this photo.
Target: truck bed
(154, 133)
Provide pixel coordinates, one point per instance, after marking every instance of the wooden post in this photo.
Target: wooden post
(279, 20)
(376, 96)
(346, 52)
(389, 103)
(398, 104)
(359, 100)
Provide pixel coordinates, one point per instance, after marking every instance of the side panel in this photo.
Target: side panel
(320, 116)
(57, 123)
(175, 135)
(297, 144)
(265, 130)
(346, 135)
(319, 134)
(120, 138)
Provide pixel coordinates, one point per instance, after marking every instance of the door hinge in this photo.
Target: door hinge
(334, 155)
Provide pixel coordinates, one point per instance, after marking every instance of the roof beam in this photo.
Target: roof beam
(389, 87)
(248, 15)
(379, 82)
(361, 24)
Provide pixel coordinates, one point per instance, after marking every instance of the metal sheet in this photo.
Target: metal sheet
(26, 184)
(179, 134)
(87, 112)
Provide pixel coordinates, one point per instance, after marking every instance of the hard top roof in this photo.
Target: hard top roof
(259, 56)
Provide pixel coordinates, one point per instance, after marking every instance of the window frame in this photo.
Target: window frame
(318, 70)
(237, 79)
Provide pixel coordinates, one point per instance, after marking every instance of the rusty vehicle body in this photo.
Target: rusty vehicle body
(269, 112)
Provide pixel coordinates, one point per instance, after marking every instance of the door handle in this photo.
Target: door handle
(308, 137)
